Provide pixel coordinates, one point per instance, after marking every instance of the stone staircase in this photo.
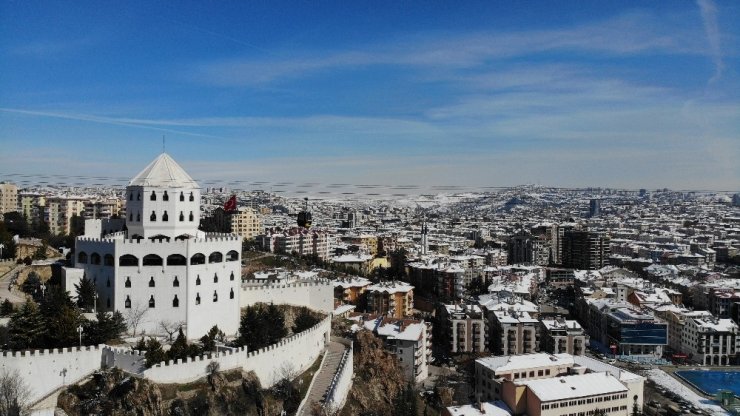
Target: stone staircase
(321, 383)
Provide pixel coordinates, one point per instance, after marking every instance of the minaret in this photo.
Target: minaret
(424, 231)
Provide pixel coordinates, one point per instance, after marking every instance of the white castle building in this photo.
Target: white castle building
(160, 261)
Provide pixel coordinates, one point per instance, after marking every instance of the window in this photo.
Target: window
(192, 218)
(182, 217)
(232, 256)
(107, 282)
(197, 298)
(175, 283)
(215, 296)
(138, 217)
(176, 260)
(152, 260)
(131, 196)
(108, 260)
(127, 303)
(128, 282)
(151, 281)
(182, 197)
(175, 302)
(151, 301)
(539, 373)
(216, 257)
(95, 258)
(192, 198)
(198, 258)
(165, 197)
(153, 217)
(131, 216)
(232, 276)
(215, 278)
(153, 197)
(197, 281)
(107, 303)
(165, 217)
(231, 294)
(82, 257)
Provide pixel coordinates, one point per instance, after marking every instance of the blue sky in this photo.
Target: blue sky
(624, 94)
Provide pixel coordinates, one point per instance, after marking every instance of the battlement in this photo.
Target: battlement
(57, 351)
(260, 285)
(124, 351)
(142, 241)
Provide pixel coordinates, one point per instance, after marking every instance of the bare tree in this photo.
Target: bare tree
(170, 327)
(135, 316)
(14, 393)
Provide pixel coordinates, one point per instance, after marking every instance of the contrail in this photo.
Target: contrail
(709, 18)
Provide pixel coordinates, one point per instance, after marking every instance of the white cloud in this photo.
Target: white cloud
(709, 19)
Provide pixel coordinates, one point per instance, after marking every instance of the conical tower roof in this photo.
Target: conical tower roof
(163, 172)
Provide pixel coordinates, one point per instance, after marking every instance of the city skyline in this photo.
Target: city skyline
(555, 94)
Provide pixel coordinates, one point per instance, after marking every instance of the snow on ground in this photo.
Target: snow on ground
(662, 378)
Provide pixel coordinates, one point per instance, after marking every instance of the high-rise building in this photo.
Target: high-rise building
(162, 268)
(585, 250)
(8, 198)
(594, 208)
(525, 248)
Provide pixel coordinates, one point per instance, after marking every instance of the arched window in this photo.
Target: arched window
(176, 260)
(130, 216)
(198, 258)
(232, 276)
(153, 197)
(175, 283)
(232, 256)
(197, 298)
(231, 294)
(82, 257)
(216, 257)
(165, 217)
(128, 281)
(107, 303)
(182, 217)
(128, 260)
(131, 196)
(197, 281)
(192, 198)
(215, 278)
(152, 260)
(95, 258)
(151, 301)
(151, 281)
(192, 217)
(138, 217)
(127, 303)
(182, 197)
(108, 260)
(138, 196)
(165, 197)
(107, 282)
(175, 302)
(153, 217)
(215, 296)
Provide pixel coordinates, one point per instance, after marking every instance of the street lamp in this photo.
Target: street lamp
(79, 330)
(95, 302)
(2, 246)
(63, 373)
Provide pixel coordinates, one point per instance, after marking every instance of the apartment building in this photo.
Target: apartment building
(350, 289)
(246, 223)
(558, 336)
(8, 198)
(394, 299)
(59, 212)
(409, 339)
(585, 250)
(298, 241)
(467, 328)
(709, 340)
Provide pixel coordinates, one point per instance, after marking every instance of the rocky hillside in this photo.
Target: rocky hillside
(114, 393)
(378, 378)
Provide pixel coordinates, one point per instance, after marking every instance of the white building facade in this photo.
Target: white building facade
(162, 266)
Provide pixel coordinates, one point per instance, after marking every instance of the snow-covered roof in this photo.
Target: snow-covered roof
(163, 172)
(497, 408)
(509, 363)
(568, 387)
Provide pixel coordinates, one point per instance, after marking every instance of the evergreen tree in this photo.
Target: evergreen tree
(32, 285)
(6, 308)
(40, 253)
(85, 293)
(26, 327)
(62, 328)
(154, 352)
(275, 324)
(108, 327)
(304, 320)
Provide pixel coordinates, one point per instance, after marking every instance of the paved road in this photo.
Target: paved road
(15, 296)
(324, 377)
